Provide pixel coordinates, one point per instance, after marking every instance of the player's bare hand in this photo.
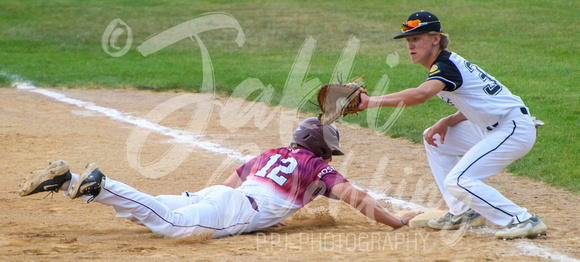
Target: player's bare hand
(439, 128)
(408, 216)
(364, 101)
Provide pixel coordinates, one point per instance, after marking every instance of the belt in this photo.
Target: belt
(253, 202)
(491, 127)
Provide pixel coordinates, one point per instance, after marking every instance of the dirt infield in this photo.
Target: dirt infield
(36, 129)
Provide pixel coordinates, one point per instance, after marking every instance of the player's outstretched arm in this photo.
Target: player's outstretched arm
(369, 206)
(409, 97)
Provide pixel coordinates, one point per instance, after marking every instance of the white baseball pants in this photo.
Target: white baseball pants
(483, 154)
(218, 210)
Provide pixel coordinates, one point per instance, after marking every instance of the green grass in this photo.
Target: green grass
(4, 81)
(530, 46)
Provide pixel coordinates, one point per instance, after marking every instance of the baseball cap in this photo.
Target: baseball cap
(419, 23)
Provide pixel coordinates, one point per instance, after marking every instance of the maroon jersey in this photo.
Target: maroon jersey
(285, 179)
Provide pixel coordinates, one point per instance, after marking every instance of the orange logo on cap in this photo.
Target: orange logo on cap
(413, 23)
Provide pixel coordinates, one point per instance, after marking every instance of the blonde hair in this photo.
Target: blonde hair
(444, 42)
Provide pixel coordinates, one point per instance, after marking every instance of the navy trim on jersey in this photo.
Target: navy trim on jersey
(444, 70)
(480, 198)
(446, 82)
(169, 222)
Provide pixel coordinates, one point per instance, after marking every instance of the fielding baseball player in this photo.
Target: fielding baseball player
(261, 193)
(491, 129)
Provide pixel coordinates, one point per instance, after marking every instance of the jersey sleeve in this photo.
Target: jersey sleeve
(246, 169)
(330, 177)
(446, 72)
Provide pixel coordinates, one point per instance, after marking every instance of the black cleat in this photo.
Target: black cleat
(89, 183)
(49, 179)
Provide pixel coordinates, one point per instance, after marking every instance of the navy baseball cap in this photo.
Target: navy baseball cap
(419, 23)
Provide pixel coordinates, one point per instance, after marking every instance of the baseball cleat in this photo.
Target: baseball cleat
(450, 222)
(49, 179)
(530, 228)
(89, 183)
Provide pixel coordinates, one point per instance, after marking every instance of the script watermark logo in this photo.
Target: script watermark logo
(297, 91)
(111, 37)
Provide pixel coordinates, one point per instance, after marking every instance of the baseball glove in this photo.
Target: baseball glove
(336, 99)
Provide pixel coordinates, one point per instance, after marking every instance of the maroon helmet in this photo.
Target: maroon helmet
(322, 140)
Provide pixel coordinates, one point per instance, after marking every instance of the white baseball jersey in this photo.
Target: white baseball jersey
(498, 131)
(476, 94)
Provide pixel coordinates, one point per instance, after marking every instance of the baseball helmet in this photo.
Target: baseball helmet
(322, 140)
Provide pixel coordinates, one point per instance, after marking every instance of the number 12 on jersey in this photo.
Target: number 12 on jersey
(278, 169)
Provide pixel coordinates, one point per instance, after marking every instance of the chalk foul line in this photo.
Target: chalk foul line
(179, 136)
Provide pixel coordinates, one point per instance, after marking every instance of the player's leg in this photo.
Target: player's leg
(508, 142)
(218, 206)
(222, 209)
(173, 202)
(495, 152)
(93, 185)
(218, 210)
(57, 176)
(459, 139)
(234, 213)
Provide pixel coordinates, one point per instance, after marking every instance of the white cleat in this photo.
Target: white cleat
(530, 228)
